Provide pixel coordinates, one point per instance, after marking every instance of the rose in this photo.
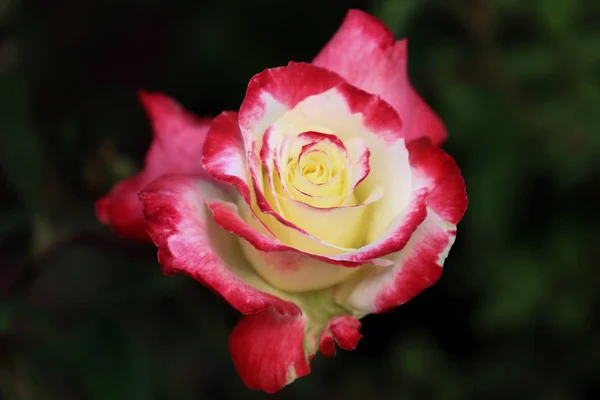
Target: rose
(344, 206)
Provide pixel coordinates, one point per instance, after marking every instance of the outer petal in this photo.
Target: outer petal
(188, 241)
(223, 156)
(364, 52)
(121, 208)
(268, 350)
(274, 91)
(176, 148)
(419, 264)
(343, 330)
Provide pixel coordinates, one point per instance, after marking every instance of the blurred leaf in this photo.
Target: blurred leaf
(21, 152)
(558, 15)
(7, 9)
(7, 312)
(11, 220)
(396, 14)
(517, 290)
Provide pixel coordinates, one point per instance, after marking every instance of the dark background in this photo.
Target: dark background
(84, 315)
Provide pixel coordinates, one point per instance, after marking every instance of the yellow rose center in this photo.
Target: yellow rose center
(316, 174)
(316, 167)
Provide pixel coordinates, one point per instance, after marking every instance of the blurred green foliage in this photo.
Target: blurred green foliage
(84, 315)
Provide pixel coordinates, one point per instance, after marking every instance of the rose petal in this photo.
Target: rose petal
(188, 241)
(396, 236)
(359, 156)
(270, 155)
(323, 223)
(268, 350)
(224, 157)
(122, 210)
(176, 148)
(283, 266)
(335, 190)
(364, 52)
(295, 272)
(274, 91)
(343, 330)
(419, 264)
(448, 197)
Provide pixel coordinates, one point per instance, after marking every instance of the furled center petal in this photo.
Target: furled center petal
(312, 176)
(316, 167)
(317, 170)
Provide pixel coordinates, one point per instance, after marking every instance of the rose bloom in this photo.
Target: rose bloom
(323, 199)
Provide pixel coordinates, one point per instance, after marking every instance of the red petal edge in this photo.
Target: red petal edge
(268, 350)
(176, 148)
(223, 156)
(182, 228)
(421, 266)
(448, 194)
(122, 210)
(364, 52)
(343, 330)
(287, 86)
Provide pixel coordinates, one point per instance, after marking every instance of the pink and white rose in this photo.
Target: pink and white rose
(323, 199)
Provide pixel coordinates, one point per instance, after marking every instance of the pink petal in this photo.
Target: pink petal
(188, 241)
(364, 52)
(359, 155)
(318, 221)
(274, 91)
(224, 157)
(270, 155)
(448, 197)
(343, 330)
(397, 235)
(176, 148)
(227, 217)
(121, 208)
(419, 264)
(383, 120)
(268, 350)
(311, 138)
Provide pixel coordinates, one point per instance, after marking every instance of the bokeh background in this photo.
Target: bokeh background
(84, 315)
